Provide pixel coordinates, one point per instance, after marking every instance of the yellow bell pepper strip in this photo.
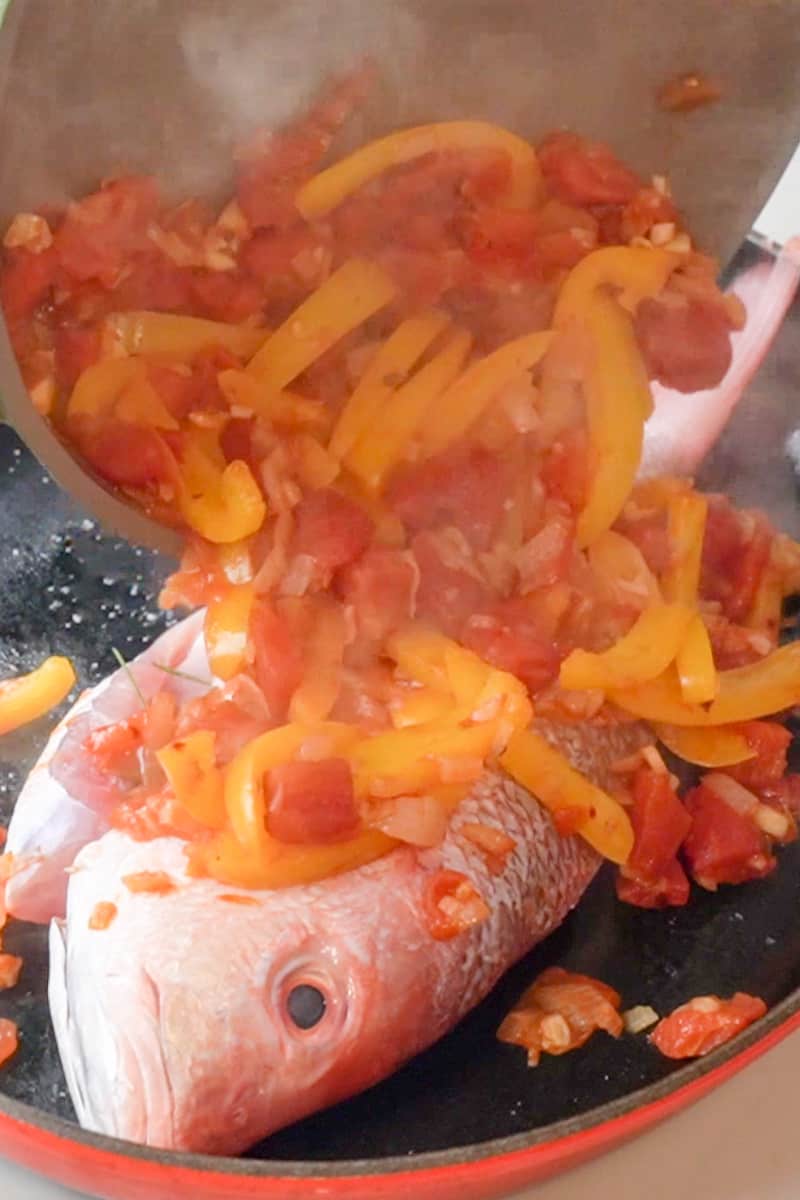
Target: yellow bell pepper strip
(191, 769)
(636, 272)
(686, 523)
(760, 689)
(223, 505)
(383, 446)
(315, 465)
(286, 409)
(324, 651)
(100, 386)
(484, 692)
(695, 664)
(384, 374)
(418, 706)
(465, 401)
(617, 405)
(168, 335)
(414, 760)
(419, 653)
(226, 626)
(279, 865)
(27, 697)
(343, 302)
(548, 776)
(643, 653)
(713, 747)
(619, 563)
(333, 185)
(244, 777)
(140, 404)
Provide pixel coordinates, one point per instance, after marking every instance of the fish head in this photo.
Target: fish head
(200, 1021)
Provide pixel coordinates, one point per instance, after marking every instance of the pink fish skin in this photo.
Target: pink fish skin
(173, 1024)
(64, 805)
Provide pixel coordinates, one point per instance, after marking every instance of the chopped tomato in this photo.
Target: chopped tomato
(736, 551)
(660, 822)
(668, 889)
(26, 281)
(9, 1040)
(704, 1023)
(381, 589)
(331, 529)
(125, 454)
(10, 968)
(565, 468)
(77, 347)
(466, 487)
(451, 905)
(99, 232)
(502, 240)
(559, 1012)
(156, 883)
(113, 746)
(686, 342)
(312, 802)
(287, 263)
(446, 594)
(235, 713)
(102, 916)
(583, 172)
(278, 661)
(225, 295)
(771, 743)
(648, 207)
(723, 845)
(152, 281)
(507, 637)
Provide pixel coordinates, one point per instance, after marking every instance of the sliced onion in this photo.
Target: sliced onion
(417, 820)
(739, 798)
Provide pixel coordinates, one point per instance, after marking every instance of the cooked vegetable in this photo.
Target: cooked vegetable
(698, 676)
(698, 1027)
(28, 697)
(643, 653)
(177, 337)
(328, 189)
(714, 747)
(547, 775)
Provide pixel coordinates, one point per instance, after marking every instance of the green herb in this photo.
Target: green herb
(121, 661)
(182, 674)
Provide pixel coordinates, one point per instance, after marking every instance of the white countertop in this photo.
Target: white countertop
(740, 1143)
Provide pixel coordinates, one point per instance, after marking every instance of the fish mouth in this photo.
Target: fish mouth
(116, 1075)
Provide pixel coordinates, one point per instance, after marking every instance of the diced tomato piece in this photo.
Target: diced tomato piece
(446, 595)
(649, 533)
(25, 281)
(9, 1040)
(736, 551)
(559, 1012)
(704, 1023)
(723, 846)
(565, 468)
(77, 347)
(771, 743)
(507, 637)
(236, 714)
(648, 207)
(686, 343)
(153, 281)
(284, 262)
(154, 883)
(125, 454)
(580, 171)
(225, 295)
(103, 915)
(381, 587)
(786, 794)
(111, 745)
(10, 968)
(466, 487)
(451, 905)
(660, 822)
(101, 231)
(312, 802)
(331, 529)
(502, 240)
(278, 661)
(669, 889)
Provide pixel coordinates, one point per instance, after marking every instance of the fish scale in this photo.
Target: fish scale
(172, 1023)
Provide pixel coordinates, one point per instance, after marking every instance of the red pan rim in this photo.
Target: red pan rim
(571, 1139)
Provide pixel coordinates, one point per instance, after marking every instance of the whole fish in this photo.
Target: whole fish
(194, 1022)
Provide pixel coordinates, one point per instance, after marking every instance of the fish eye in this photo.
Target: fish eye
(306, 1005)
